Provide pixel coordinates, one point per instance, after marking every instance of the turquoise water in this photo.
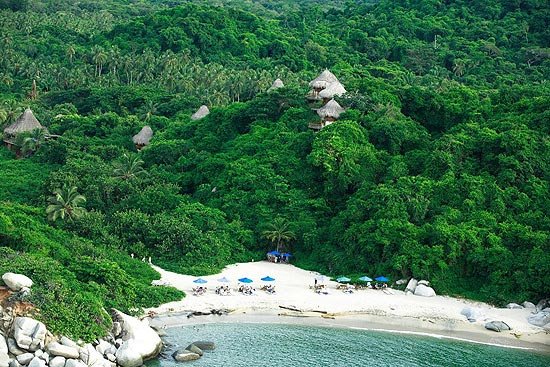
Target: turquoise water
(295, 346)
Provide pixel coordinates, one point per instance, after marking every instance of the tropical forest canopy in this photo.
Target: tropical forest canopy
(438, 169)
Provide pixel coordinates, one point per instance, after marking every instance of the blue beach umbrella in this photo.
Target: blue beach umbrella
(382, 279)
(268, 279)
(200, 281)
(245, 280)
(287, 254)
(365, 279)
(223, 280)
(274, 253)
(343, 280)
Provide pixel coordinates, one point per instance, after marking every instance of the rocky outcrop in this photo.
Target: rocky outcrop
(29, 333)
(139, 341)
(497, 326)
(185, 355)
(411, 285)
(528, 305)
(16, 282)
(513, 306)
(543, 303)
(424, 291)
(540, 318)
(193, 348)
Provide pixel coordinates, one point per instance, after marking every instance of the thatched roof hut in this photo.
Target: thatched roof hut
(24, 123)
(278, 83)
(331, 110)
(143, 138)
(334, 89)
(323, 80)
(201, 112)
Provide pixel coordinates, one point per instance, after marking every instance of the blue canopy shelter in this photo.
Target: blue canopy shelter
(200, 281)
(245, 280)
(365, 279)
(268, 279)
(223, 280)
(382, 279)
(343, 280)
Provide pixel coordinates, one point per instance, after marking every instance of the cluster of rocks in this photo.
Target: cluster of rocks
(26, 342)
(419, 288)
(193, 351)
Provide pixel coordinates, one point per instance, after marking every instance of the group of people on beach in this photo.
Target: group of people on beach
(223, 290)
(199, 291)
(246, 290)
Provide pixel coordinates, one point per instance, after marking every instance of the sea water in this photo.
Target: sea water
(243, 344)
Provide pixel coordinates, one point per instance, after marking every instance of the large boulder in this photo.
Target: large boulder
(424, 291)
(540, 318)
(4, 359)
(25, 358)
(139, 341)
(37, 362)
(57, 362)
(205, 345)
(529, 305)
(74, 363)
(56, 349)
(193, 348)
(16, 282)
(513, 306)
(29, 333)
(411, 285)
(497, 326)
(68, 342)
(185, 355)
(13, 348)
(543, 303)
(472, 314)
(3, 345)
(92, 358)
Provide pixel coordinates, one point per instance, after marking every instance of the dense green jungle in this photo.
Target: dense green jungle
(439, 168)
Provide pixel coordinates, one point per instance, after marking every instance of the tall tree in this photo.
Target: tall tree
(65, 204)
(279, 232)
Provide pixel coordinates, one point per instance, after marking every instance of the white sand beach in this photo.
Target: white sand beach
(373, 309)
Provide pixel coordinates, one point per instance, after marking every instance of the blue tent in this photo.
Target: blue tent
(268, 279)
(274, 253)
(382, 279)
(200, 281)
(343, 280)
(365, 279)
(223, 280)
(245, 280)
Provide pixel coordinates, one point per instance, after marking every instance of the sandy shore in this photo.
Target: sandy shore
(368, 309)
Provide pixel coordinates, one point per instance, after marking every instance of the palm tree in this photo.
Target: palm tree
(278, 232)
(65, 204)
(128, 168)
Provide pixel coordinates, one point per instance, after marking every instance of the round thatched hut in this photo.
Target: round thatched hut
(334, 89)
(27, 122)
(278, 83)
(323, 80)
(201, 113)
(325, 83)
(328, 114)
(143, 138)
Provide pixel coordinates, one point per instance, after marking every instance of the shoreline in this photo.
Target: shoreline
(376, 310)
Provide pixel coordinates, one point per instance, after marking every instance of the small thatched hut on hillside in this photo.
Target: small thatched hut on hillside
(201, 113)
(143, 138)
(325, 87)
(24, 123)
(278, 83)
(328, 114)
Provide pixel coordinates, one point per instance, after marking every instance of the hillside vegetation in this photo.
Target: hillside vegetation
(439, 168)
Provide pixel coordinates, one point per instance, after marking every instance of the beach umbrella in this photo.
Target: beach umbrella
(343, 280)
(274, 253)
(268, 279)
(245, 280)
(382, 279)
(200, 281)
(287, 254)
(365, 279)
(223, 280)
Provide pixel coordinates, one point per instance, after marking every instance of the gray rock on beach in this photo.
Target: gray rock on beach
(13, 348)
(193, 348)
(14, 363)
(4, 359)
(25, 358)
(513, 306)
(424, 291)
(28, 333)
(205, 345)
(3, 345)
(57, 362)
(16, 281)
(540, 318)
(185, 356)
(411, 285)
(56, 349)
(68, 342)
(529, 305)
(37, 362)
(497, 326)
(543, 303)
(471, 313)
(74, 363)
(92, 358)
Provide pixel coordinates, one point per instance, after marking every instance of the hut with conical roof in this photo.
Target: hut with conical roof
(328, 114)
(201, 113)
(323, 81)
(27, 122)
(143, 138)
(278, 83)
(335, 89)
